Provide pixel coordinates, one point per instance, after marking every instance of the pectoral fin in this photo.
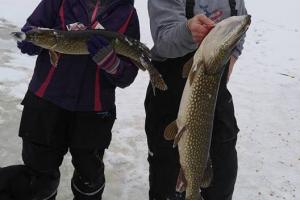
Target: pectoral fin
(187, 67)
(172, 132)
(53, 58)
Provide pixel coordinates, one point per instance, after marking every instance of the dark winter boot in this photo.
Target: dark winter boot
(87, 190)
(15, 183)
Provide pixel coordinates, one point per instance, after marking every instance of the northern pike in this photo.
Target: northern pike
(192, 130)
(74, 43)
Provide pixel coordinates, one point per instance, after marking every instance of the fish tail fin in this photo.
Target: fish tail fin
(155, 77)
(157, 81)
(18, 36)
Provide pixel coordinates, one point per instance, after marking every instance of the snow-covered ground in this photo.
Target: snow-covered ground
(265, 86)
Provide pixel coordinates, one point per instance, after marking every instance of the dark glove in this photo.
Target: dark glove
(103, 54)
(28, 47)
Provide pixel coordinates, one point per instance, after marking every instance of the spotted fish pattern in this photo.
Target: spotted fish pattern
(192, 130)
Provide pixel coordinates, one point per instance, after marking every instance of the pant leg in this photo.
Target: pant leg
(223, 151)
(88, 179)
(224, 158)
(44, 162)
(161, 109)
(43, 130)
(89, 136)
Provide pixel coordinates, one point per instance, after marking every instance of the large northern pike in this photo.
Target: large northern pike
(74, 42)
(192, 130)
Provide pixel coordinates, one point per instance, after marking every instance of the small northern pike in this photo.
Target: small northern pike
(74, 43)
(192, 130)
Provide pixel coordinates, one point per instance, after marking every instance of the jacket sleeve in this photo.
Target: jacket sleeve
(127, 71)
(170, 33)
(237, 51)
(43, 16)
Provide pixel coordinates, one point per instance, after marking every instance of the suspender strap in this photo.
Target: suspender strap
(232, 5)
(189, 8)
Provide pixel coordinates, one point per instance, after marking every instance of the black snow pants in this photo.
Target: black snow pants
(49, 132)
(161, 109)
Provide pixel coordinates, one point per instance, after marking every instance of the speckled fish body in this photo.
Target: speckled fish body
(74, 43)
(194, 123)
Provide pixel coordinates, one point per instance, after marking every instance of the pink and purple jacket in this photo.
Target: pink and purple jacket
(77, 83)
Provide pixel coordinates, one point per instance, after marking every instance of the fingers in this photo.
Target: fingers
(103, 41)
(92, 45)
(100, 41)
(95, 43)
(202, 19)
(200, 25)
(199, 33)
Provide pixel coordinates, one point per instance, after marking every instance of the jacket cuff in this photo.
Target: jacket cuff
(107, 59)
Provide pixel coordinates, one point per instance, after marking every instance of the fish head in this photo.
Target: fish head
(217, 46)
(42, 37)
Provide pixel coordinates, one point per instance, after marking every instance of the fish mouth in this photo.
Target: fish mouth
(242, 31)
(248, 22)
(18, 36)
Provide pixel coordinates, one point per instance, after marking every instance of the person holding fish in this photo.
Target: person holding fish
(70, 103)
(178, 28)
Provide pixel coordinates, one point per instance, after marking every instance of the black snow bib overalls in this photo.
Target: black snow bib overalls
(162, 109)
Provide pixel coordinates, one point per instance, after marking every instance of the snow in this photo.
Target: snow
(266, 89)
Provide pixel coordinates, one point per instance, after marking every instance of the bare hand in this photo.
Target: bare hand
(200, 25)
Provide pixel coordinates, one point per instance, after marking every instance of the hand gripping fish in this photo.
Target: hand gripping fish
(192, 130)
(74, 42)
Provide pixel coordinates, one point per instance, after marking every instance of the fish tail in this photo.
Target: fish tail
(193, 194)
(155, 77)
(157, 81)
(193, 188)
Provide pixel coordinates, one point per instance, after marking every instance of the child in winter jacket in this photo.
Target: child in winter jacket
(71, 106)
